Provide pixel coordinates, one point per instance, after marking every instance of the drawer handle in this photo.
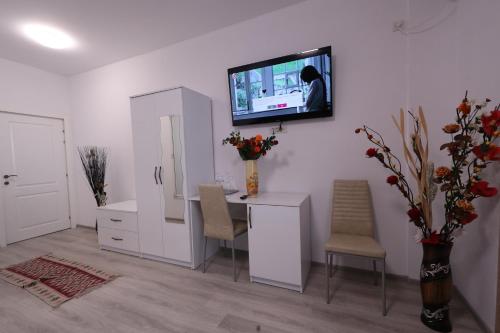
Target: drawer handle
(116, 239)
(115, 220)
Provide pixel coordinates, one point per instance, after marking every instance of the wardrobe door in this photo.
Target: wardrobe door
(176, 233)
(146, 134)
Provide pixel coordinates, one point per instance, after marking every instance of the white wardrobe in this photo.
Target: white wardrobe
(173, 153)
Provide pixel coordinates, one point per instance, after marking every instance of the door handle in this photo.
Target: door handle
(250, 216)
(156, 179)
(159, 176)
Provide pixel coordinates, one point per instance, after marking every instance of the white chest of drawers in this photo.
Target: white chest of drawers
(118, 227)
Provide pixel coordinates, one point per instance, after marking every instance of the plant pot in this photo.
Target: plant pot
(252, 177)
(100, 203)
(436, 286)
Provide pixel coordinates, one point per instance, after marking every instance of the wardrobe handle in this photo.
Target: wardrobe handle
(115, 220)
(156, 179)
(159, 176)
(116, 239)
(250, 216)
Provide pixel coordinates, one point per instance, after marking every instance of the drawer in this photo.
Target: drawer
(120, 239)
(117, 220)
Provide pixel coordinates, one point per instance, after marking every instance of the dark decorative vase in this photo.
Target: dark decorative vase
(436, 286)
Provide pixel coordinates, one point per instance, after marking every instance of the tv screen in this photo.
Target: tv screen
(296, 86)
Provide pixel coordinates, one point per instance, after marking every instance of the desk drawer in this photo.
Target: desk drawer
(117, 220)
(120, 239)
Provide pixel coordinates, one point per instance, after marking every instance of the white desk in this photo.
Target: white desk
(279, 237)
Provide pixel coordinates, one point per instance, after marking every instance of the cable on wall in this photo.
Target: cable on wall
(449, 8)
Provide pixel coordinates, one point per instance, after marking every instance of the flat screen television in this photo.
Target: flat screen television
(296, 86)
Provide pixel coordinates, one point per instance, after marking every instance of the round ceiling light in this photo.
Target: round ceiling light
(48, 36)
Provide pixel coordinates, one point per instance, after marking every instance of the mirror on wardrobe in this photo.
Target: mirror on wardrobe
(172, 170)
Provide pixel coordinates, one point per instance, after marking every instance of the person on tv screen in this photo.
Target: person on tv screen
(316, 99)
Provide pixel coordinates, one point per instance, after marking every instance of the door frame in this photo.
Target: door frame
(69, 169)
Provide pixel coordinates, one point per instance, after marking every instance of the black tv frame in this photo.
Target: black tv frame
(280, 118)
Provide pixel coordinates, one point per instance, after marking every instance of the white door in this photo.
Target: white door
(33, 183)
(274, 243)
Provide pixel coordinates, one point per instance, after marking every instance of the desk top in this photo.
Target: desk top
(266, 198)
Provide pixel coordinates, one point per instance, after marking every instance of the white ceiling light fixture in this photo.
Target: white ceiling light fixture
(48, 36)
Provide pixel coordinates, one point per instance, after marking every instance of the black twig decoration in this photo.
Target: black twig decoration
(94, 164)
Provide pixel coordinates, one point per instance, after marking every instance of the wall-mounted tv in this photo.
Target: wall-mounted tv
(296, 86)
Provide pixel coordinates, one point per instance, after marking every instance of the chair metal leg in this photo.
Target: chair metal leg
(384, 308)
(327, 274)
(205, 254)
(331, 265)
(374, 272)
(234, 262)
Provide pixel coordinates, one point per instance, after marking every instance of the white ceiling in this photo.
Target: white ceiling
(112, 30)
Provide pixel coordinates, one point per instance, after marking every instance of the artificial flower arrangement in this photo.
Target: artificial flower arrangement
(252, 148)
(472, 147)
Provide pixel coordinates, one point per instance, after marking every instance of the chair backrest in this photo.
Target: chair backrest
(352, 210)
(216, 218)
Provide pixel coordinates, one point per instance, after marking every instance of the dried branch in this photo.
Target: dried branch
(94, 160)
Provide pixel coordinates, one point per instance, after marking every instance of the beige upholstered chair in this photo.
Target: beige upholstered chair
(217, 221)
(352, 229)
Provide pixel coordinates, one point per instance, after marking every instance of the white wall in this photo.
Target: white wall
(28, 90)
(456, 55)
(376, 72)
(369, 64)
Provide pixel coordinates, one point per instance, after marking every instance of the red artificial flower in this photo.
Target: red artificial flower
(464, 107)
(481, 189)
(433, 239)
(487, 152)
(371, 152)
(414, 214)
(393, 180)
(491, 122)
(468, 217)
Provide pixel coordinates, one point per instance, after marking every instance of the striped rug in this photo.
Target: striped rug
(55, 280)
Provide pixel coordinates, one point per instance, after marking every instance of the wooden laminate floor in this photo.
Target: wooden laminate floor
(157, 297)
